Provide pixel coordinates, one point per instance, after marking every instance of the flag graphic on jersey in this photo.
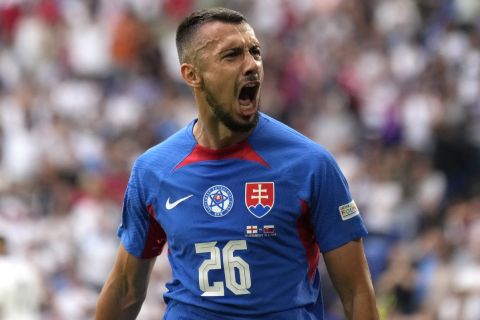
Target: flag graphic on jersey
(269, 228)
(252, 229)
(259, 197)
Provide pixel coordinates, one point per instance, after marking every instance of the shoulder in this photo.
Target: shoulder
(279, 137)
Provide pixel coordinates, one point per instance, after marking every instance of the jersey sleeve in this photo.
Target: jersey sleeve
(139, 232)
(336, 217)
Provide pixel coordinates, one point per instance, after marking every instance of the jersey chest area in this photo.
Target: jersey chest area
(231, 229)
(221, 201)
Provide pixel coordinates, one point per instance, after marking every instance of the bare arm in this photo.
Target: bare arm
(348, 269)
(125, 288)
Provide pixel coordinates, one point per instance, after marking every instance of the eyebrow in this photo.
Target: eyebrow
(237, 48)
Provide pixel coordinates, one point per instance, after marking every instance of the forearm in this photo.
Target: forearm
(125, 289)
(348, 269)
(360, 306)
(117, 303)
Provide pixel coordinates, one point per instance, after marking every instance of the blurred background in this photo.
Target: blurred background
(391, 87)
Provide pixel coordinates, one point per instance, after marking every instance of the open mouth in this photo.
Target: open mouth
(248, 93)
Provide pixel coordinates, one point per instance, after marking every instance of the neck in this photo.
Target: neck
(215, 135)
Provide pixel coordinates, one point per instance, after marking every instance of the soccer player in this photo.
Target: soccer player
(245, 203)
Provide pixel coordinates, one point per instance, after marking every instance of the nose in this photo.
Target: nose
(252, 67)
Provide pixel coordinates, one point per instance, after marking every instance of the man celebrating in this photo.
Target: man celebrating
(245, 203)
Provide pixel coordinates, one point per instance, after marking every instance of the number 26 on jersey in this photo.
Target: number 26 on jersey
(231, 264)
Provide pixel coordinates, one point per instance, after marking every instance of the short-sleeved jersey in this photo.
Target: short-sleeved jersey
(245, 225)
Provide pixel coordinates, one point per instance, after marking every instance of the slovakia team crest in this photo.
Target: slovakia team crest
(259, 197)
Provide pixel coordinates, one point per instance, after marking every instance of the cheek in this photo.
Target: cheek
(219, 85)
(260, 71)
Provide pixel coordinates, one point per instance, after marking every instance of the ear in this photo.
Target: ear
(190, 75)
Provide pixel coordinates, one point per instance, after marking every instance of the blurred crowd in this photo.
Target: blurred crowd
(391, 87)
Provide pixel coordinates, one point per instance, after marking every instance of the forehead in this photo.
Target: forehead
(219, 35)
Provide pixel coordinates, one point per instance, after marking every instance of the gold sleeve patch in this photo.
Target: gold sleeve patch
(348, 210)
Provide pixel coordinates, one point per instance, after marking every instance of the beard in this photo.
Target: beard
(226, 118)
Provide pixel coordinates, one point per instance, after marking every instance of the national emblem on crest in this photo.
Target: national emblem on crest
(218, 201)
(259, 197)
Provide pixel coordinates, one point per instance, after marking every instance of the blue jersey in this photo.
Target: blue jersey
(245, 225)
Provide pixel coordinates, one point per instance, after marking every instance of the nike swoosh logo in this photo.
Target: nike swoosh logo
(170, 205)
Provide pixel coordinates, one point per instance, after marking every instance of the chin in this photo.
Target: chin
(248, 122)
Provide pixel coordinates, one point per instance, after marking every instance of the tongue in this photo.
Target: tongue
(247, 108)
(244, 102)
(244, 97)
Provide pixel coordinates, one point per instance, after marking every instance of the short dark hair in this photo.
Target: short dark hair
(188, 27)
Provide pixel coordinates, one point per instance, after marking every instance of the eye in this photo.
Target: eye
(231, 54)
(255, 51)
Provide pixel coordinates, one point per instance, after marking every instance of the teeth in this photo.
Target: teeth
(250, 85)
